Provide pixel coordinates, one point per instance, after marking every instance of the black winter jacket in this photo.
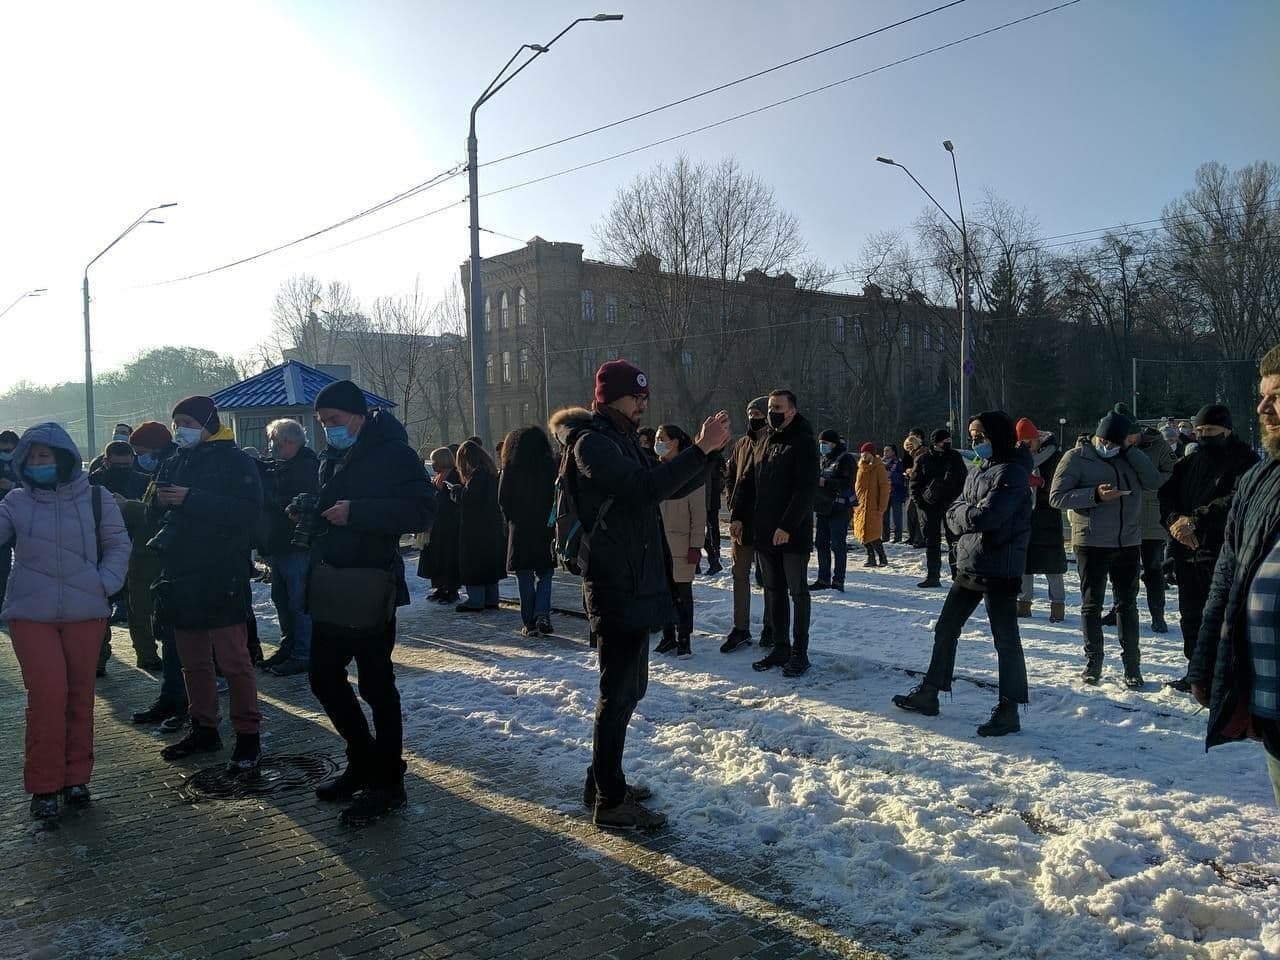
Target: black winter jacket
(627, 583)
(204, 577)
(1201, 488)
(1047, 552)
(1221, 662)
(776, 492)
(838, 469)
(282, 480)
(122, 481)
(481, 544)
(389, 492)
(937, 477)
(992, 518)
(526, 494)
(438, 561)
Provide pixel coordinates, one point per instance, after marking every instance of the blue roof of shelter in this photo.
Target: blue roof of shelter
(290, 384)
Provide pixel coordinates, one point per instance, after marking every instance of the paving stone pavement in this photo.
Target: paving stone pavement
(482, 863)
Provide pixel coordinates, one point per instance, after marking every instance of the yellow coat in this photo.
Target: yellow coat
(871, 487)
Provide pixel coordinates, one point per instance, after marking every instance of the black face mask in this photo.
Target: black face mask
(776, 419)
(942, 447)
(756, 424)
(1213, 443)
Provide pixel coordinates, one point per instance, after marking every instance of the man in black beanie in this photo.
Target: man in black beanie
(937, 477)
(1193, 508)
(373, 488)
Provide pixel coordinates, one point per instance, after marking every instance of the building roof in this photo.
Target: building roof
(290, 384)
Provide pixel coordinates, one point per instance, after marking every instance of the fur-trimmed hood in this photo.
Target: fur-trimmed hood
(564, 423)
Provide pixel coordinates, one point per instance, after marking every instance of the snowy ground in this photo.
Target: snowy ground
(1102, 829)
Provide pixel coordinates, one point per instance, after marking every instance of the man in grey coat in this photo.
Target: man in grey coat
(1101, 482)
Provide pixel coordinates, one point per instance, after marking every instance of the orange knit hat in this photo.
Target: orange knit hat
(1026, 430)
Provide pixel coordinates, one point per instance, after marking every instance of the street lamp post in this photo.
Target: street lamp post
(88, 353)
(479, 402)
(966, 363)
(39, 291)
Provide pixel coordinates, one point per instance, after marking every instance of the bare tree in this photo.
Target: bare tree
(310, 320)
(392, 354)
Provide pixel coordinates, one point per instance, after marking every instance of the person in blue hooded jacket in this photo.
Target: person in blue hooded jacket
(992, 524)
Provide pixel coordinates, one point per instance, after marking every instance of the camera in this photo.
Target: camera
(310, 523)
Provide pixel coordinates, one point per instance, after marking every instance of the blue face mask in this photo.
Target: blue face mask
(826, 448)
(42, 474)
(147, 462)
(1105, 452)
(6, 456)
(338, 437)
(187, 436)
(983, 450)
(660, 447)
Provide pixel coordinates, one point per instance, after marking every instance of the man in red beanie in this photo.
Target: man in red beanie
(1047, 552)
(616, 489)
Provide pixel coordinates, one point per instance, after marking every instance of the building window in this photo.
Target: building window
(525, 418)
(610, 308)
(906, 336)
(839, 330)
(506, 419)
(488, 315)
(928, 337)
(588, 307)
(522, 307)
(522, 371)
(488, 370)
(504, 311)
(506, 366)
(686, 360)
(857, 328)
(636, 311)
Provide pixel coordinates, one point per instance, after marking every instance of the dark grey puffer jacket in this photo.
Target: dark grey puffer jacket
(1075, 488)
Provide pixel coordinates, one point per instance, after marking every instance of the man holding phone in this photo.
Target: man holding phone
(1096, 483)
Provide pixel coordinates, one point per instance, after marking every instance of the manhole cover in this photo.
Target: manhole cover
(276, 774)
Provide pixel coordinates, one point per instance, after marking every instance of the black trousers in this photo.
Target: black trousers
(786, 584)
(1001, 600)
(1153, 575)
(624, 677)
(1097, 565)
(332, 650)
(934, 532)
(711, 543)
(914, 532)
(1194, 580)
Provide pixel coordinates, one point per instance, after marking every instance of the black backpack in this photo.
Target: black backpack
(572, 538)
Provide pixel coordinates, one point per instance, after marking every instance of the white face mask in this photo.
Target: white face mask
(660, 447)
(186, 437)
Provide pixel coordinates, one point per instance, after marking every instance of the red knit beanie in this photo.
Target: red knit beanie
(617, 379)
(1026, 430)
(151, 435)
(867, 447)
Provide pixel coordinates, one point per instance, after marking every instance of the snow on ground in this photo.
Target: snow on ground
(1102, 829)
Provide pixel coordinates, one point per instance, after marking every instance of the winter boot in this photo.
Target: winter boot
(820, 585)
(796, 666)
(777, 657)
(76, 796)
(1133, 680)
(922, 698)
(44, 806)
(1057, 612)
(668, 643)
(1109, 620)
(683, 649)
(1158, 624)
(871, 557)
(884, 561)
(635, 792)
(628, 815)
(736, 638)
(1092, 672)
(162, 709)
(199, 740)
(1004, 719)
(929, 582)
(246, 755)
(373, 803)
(344, 786)
(1024, 608)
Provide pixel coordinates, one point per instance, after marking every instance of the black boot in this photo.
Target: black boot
(162, 709)
(668, 642)
(884, 561)
(766, 636)
(76, 795)
(344, 786)
(777, 657)
(44, 806)
(871, 557)
(246, 755)
(1158, 624)
(684, 649)
(1092, 672)
(373, 803)
(1004, 719)
(198, 740)
(1109, 620)
(922, 698)
(736, 638)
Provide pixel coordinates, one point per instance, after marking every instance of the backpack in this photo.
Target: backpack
(572, 538)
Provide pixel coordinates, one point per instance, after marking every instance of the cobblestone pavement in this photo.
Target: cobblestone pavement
(485, 861)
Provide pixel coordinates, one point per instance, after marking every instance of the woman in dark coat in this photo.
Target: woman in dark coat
(1047, 552)
(439, 559)
(480, 539)
(526, 493)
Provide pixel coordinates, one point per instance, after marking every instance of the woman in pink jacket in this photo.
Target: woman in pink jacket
(69, 557)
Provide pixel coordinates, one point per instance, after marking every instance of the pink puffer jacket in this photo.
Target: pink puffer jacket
(56, 575)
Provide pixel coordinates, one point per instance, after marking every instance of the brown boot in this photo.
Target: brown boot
(1057, 612)
(1024, 608)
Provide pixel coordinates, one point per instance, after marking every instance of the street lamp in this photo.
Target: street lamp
(966, 364)
(39, 291)
(479, 403)
(88, 353)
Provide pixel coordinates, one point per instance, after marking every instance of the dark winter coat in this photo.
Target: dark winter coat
(992, 518)
(1222, 662)
(123, 481)
(390, 495)
(527, 497)
(897, 470)
(1201, 488)
(204, 574)
(837, 469)
(776, 492)
(937, 477)
(715, 483)
(627, 582)
(1047, 551)
(282, 480)
(481, 539)
(1075, 488)
(439, 559)
(739, 461)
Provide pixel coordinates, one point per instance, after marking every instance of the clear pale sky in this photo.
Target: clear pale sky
(268, 120)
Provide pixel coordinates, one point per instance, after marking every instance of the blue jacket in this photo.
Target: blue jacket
(992, 518)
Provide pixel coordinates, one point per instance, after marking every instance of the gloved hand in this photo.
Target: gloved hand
(694, 555)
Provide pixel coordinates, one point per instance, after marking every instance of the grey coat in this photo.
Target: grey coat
(1075, 489)
(1158, 451)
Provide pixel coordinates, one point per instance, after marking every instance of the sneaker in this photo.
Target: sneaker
(1004, 720)
(247, 754)
(1182, 685)
(921, 698)
(160, 710)
(199, 740)
(628, 815)
(44, 806)
(274, 660)
(820, 585)
(778, 657)
(929, 582)
(373, 803)
(342, 787)
(736, 638)
(683, 649)
(76, 795)
(635, 793)
(528, 630)
(666, 645)
(543, 623)
(175, 723)
(1134, 681)
(1158, 624)
(797, 665)
(290, 668)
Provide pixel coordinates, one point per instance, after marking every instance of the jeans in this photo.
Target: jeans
(1002, 613)
(377, 755)
(893, 519)
(786, 583)
(831, 536)
(535, 594)
(197, 649)
(1057, 588)
(1120, 565)
(934, 531)
(480, 595)
(624, 677)
(288, 593)
(1194, 580)
(743, 556)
